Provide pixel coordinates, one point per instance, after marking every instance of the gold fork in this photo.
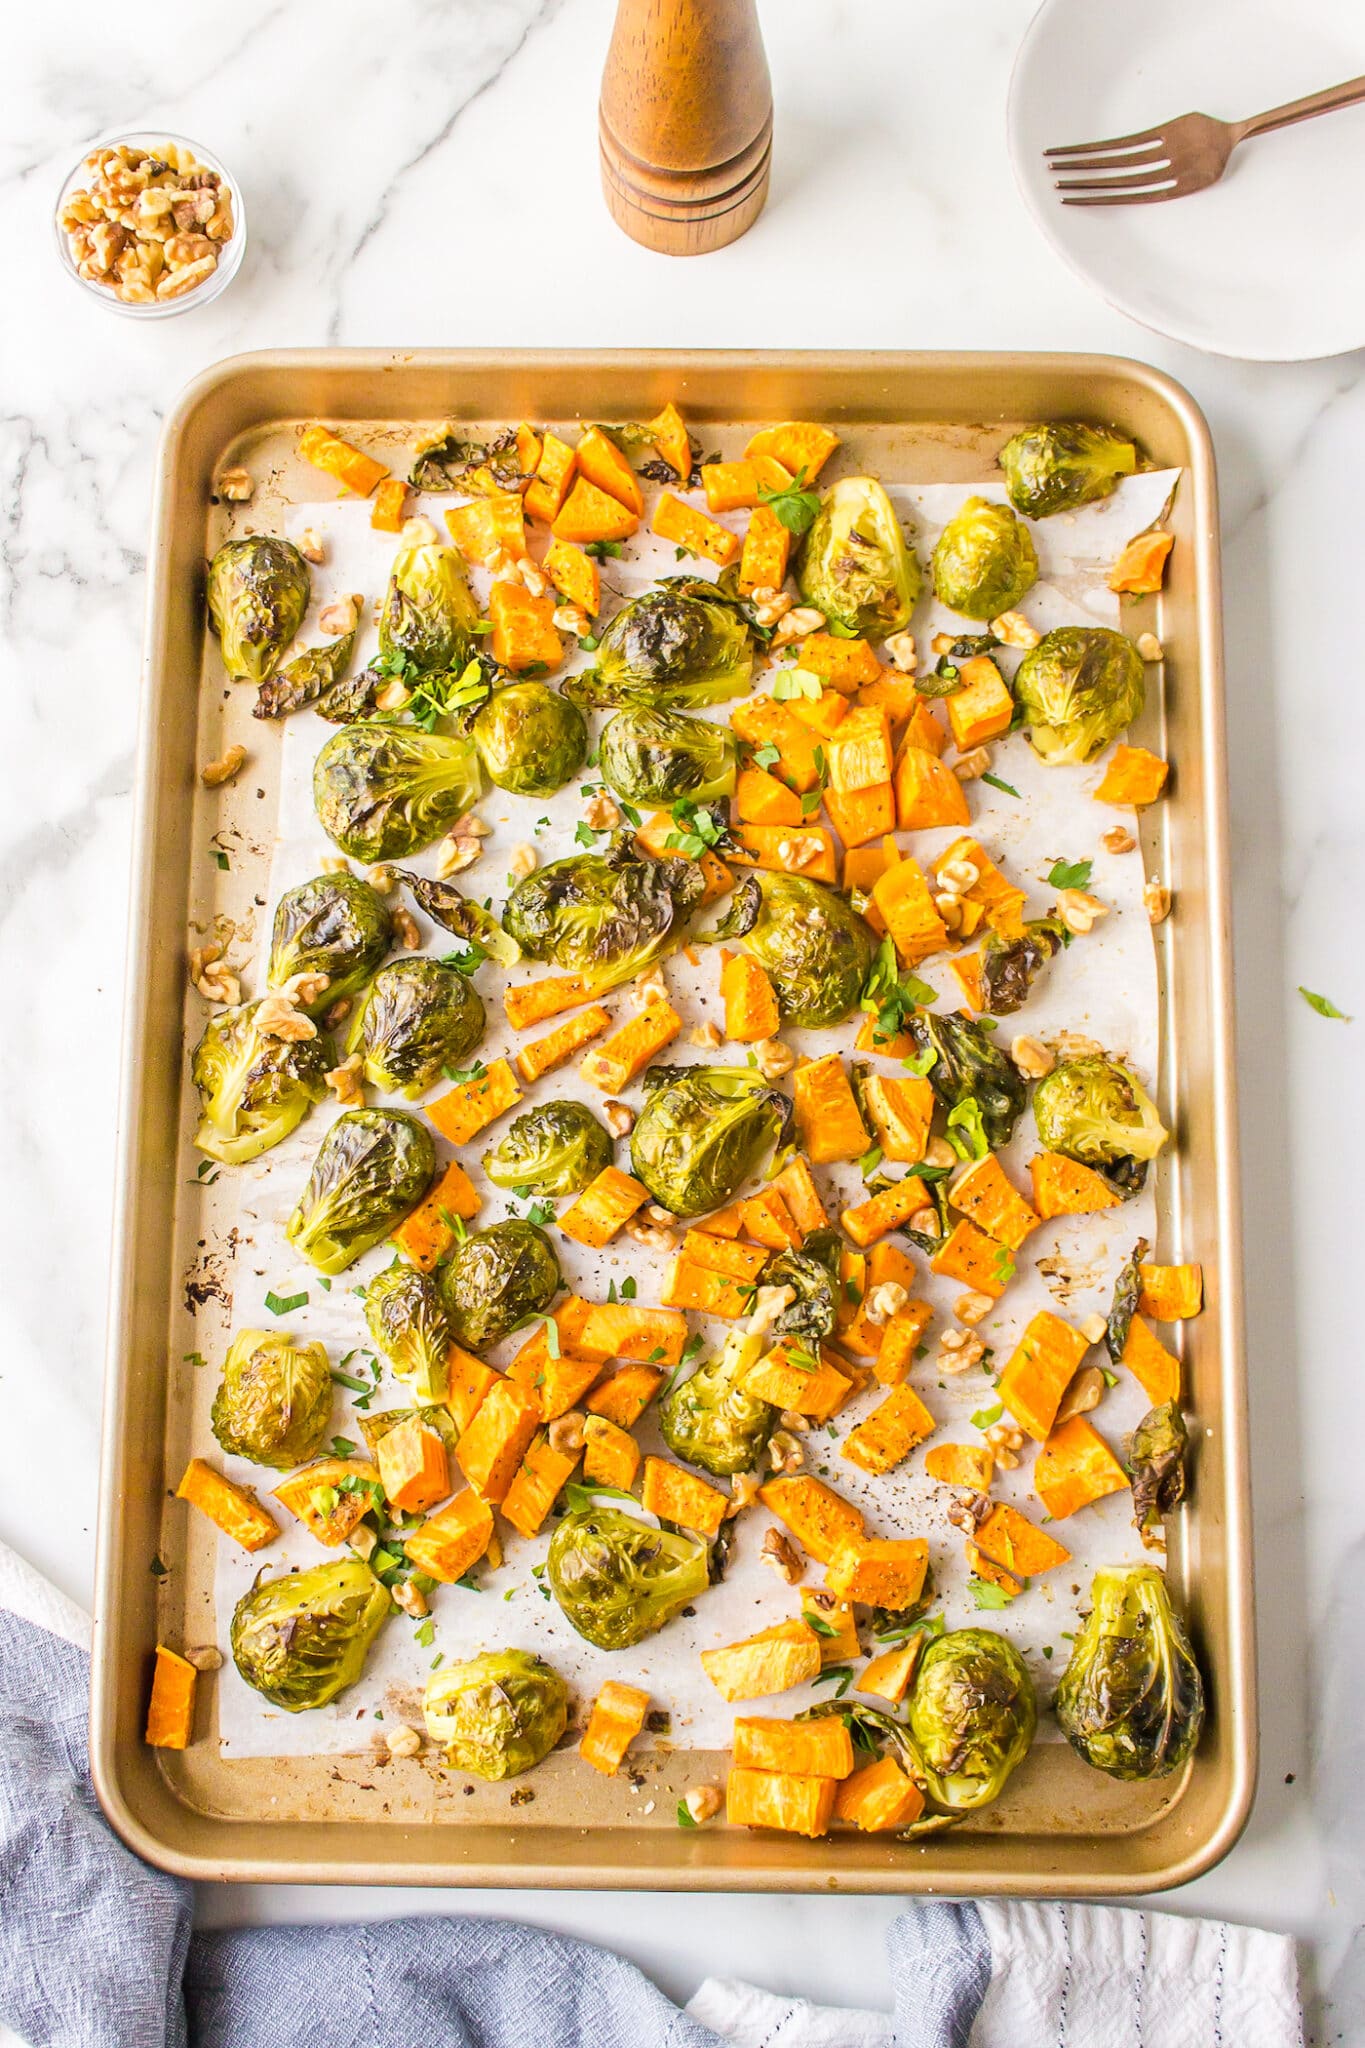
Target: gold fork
(1184, 156)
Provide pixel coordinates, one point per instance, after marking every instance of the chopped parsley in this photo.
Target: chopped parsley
(285, 1304)
(1324, 1006)
(1069, 874)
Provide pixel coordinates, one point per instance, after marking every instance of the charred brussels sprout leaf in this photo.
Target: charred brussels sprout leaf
(530, 739)
(670, 648)
(496, 1280)
(275, 1400)
(310, 678)
(1061, 464)
(1009, 967)
(407, 1323)
(813, 1276)
(808, 939)
(381, 792)
(416, 1019)
(618, 1580)
(972, 1716)
(335, 925)
(855, 564)
(1127, 1294)
(555, 1149)
(373, 1166)
(985, 560)
(710, 1421)
(452, 461)
(1095, 1110)
(1156, 1459)
(498, 1715)
(448, 907)
(258, 593)
(303, 1639)
(968, 1065)
(1131, 1700)
(659, 757)
(253, 1089)
(1077, 690)
(429, 614)
(605, 915)
(702, 1132)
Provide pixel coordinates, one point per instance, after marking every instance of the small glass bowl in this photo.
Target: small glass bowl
(230, 254)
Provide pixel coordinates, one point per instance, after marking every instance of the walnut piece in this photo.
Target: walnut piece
(780, 1555)
(214, 774)
(1080, 912)
(620, 1117)
(1117, 840)
(344, 1082)
(277, 1017)
(403, 1740)
(405, 929)
(773, 1058)
(1031, 1057)
(703, 1803)
(211, 975)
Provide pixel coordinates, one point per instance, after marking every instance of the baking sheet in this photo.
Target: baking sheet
(1104, 987)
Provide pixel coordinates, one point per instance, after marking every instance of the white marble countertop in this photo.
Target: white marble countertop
(395, 197)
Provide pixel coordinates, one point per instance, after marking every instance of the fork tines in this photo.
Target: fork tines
(1126, 170)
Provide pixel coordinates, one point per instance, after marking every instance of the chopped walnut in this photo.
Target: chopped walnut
(305, 989)
(236, 487)
(1074, 1045)
(949, 908)
(338, 1013)
(1117, 840)
(924, 1222)
(901, 647)
(938, 1152)
(382, 879)
(973, 764)
(780, 1555)
(708, 1036)
(418, 532)
(602, 812)
(651, 1235)
(455, 853)
(1012, 629)
(1079, 912)
(411, 1599)
(784, 1452)
(703, 1803)
(769, 1303)
(312, 546)
(968, 1514)
(1150, 648)
(339, 618)
(1085, 1392)
(773, 1058)
(958, 877)
(212, 976)
(959, 1351)
(210, 1658)
(882, 1302)
(571, 618)
(791, 1419)
(973, 1308)
(392, 697)
(620, 1117)
(941, 643)
(214, 774)
(334, 864)
(524, 860)
(405, 930)
(743, 1493)
(344, 1081)
(533, 576)
(1006, 1440)
(277, 1017)
(403, 1740)
(565, 1433)
(363, 1541)
(794, 854)
(797, 623)
(1093, 1328)
(649, 987)
(1156, 898)
(1031, 1057)
(770, 604)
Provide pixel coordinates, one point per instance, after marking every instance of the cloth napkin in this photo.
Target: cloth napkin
(97, 1950)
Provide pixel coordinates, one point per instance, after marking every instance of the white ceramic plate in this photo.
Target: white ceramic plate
(1268, 265)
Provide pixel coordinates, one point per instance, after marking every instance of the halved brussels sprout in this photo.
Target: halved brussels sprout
(985, 560)
(809, 940)
(1156, 1459)
(1096, 1110)
(972, 1715)
(604, 915)
(658, 757)
(1131, 1700)
(274, 1402)
(530, 739)
(710, 1421)
(1077, 690)
(448, 907)
(813, 1276)
(310, 678)
(703, 1131)
(258, 593)
(497, 1715)
(416, 1019)
(554, 1149)
(406, 1319)
(618, 1580)
(678, 646)
(968, 1065)
(335, 925)
(303, 1639)
(373, 1166)
(429, 612)
(1009, 967)
(497, 1279)
(856, 565)
(381, 792)
(1062, 463)
(253, 1089)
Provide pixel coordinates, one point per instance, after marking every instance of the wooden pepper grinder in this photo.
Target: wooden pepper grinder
(686, 122)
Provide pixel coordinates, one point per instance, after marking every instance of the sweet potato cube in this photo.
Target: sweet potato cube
(496, 1441)
(603, 464)
(693, 531)
(813, 1749)
(450, 1543)
(766, 551)
(878, 1798)
(1075, 1467)
(902, 896)
(968, 1255)
(671, 440)
(233, 1509)
(847, 665)
(675, 1495)
(467, 1381)
(726, 1222)
(769, 1221)
(970, 1465)
(590, 514)
(1170, 1294)
(965, 969)
(170, 1712)
(470, 1106)
(539, 1477)
(927, 793)
(789, 850)
(558, 1383)
(796, 1185)
(390, 503)
(625, 1330)
(896, 695)
(900, 1108)
(761, 799)
(751, 1011)
(879, 1571)
(860, 754)
(902, 1336)
(1156, 1370)
(772, 1661)
(624, 1397)
(729, 486)
(531, 1002)
(799, 445)
(703, 1289)
(780, 1799)
(1039, 1370)
(886, 1262)
(743, 1262)
(618, 1715)
(827, 1112)
(489, 526)
(1010, 1542)
(832, 1619)
(985, 1194)
(885, 1211)
(574, 575)
(862, 814)
(852, 1287)
(819, 1518)
(331, 1496)
(427, 1233)
(982, 709)
(888, 1677)
(1063, 1187)
(542, 1055)
(604, 1207)
(614, 1064)
(790, 1376)
(1141, 567)
(1133, 776)
(524, 631)
(1001, 900)
(611, 1456)
(823, 713)
(886, 1437)
(765, 722)
(414, 1470)
(350, 466)
(544, 497)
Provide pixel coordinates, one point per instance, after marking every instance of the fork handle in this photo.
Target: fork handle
(1325, 102)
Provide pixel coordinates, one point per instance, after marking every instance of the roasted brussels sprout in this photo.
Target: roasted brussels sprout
(1060, 464)
(451, 461)
(335, 925)
(945, 678)
(710, 1421)
(855, 564)
(373, 1166)
(972, 1714)
(554, 1149)
(674, 647)
(275, 1399)
(1156, 1459)
(813, 1276)
(258, 593)
(429, 613)
(312, 677)
(618, 1580)
(1009, 967)
(253, 1089)
(603, 915)
(1131, 1700)
(985, 560)
(969, 1066)
(1123, 1307)
(303, 1639)
(499, 1714)
(496, 1280)
(407, 1323)
(658, 757)
(446, 906)
(416, 1019)
(381, 792)
(1077, 690)
(1095, 1110)
(530, 739)
(703, 1131)
(809, 940)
